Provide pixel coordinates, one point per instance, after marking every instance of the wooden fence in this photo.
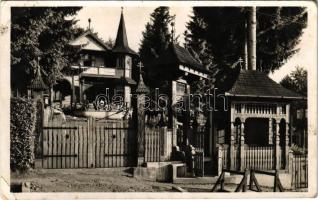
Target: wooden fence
(252, 157)
(158, 143)
(258, 157)
(88, 143)
(298, 165)
(153, 144)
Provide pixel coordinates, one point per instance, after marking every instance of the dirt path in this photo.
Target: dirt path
(87, 180)
(101, 180)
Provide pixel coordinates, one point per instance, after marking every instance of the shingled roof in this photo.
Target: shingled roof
(121, 44)
(175, 54)
(37, 83)
(252, 83)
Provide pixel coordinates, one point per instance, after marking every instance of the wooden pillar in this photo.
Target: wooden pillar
(232, 148)
(277, 148)
(270, 131)
(73, 93)
(242, 147)
(286, 145)
(141, 128)
(81, 85)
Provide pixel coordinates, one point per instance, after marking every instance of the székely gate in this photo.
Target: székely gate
(88, 143)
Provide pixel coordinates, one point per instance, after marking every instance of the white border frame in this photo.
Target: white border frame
(5, 102)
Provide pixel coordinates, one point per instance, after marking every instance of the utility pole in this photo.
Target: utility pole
(251, 38)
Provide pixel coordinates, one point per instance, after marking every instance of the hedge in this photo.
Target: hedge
(22, 124)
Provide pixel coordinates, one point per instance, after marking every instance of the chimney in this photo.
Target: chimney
(252, 38)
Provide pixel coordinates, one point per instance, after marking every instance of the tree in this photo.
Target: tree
(110, 42)
(224, 30)
(156, 35)
(41, 35)
(296, 81)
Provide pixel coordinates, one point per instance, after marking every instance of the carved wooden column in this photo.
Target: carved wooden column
(232, 147)
(242, 146)
(81, 83)
(141, 91)
(270, 131)
(286, 145)
(277, 147)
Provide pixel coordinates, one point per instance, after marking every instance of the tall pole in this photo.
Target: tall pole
(245, 47)
(252, 38)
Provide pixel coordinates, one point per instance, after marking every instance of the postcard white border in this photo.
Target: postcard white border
(5, 102)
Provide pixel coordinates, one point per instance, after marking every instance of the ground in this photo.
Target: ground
(101, 180)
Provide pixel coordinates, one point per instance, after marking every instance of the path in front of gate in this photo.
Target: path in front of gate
(101, 180)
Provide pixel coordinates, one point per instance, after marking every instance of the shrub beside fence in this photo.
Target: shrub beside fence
(22, 124)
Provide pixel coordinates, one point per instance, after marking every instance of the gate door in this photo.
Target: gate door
(86, 143)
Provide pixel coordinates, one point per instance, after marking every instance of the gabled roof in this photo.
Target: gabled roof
(89, 33)
(175, 54)
(252, 83)
(121, 44)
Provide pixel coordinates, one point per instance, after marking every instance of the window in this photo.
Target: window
(128, 66)
(181, 90)
(89, 61)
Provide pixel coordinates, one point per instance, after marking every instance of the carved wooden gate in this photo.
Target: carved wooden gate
(88, 143)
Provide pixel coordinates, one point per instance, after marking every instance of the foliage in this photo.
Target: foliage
(297, 150)
(296, 81)
(22, 124)
(110, 42)
(156, 36)
(44, 33)
(220, 31)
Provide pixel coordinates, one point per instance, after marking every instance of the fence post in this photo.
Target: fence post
(220, 158)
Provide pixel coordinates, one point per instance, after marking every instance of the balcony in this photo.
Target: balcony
(99, 71)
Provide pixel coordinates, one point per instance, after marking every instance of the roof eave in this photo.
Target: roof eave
(264, 96)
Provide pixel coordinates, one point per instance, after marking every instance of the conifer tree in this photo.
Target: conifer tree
(41, 34)
(156, 36)
(224, 28)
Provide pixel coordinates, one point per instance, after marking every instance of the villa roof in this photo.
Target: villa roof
(89, 33)
(121, 44)
(252, 83)
(175, 54)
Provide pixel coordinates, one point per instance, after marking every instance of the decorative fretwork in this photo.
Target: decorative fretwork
(254, 108)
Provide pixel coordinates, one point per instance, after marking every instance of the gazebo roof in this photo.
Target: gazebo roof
(252, 83)
(37, 83)
(121, 44)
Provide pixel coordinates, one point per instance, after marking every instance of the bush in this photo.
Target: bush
(22, 124)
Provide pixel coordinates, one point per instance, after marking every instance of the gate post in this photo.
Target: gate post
(90, 132)
(141, 91)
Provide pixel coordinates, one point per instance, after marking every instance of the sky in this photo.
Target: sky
(105, 20)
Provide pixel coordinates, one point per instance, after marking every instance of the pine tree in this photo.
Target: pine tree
(41, 34)
(296, 81)
(224, 28)
(156, 35)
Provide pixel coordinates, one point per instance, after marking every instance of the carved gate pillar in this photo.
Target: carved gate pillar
(141, 91)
